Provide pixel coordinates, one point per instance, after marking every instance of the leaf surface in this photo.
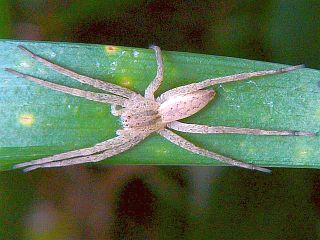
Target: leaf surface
(37, 122)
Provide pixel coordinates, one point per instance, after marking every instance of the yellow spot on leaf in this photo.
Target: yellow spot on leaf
(26, 119)
(303, 150)
(161, 151)
(126, 82)
(111, 49)
(25, 64)
(303, 153)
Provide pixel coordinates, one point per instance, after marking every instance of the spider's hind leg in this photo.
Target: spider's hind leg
(183, 143)
(155, 84)
(204, 129)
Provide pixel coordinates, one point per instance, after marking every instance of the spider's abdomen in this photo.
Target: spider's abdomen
(182, 106)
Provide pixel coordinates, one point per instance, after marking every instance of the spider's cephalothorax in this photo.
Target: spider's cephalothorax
(140, 114)
(143, 115)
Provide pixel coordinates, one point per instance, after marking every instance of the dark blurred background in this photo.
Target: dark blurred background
(149, 202)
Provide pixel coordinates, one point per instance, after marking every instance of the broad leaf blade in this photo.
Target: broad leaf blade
(37, 122)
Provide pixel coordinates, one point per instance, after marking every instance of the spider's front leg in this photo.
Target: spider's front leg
(99, 147)
(109, 87)
(93, 96)
(91, 158)
(96, 153)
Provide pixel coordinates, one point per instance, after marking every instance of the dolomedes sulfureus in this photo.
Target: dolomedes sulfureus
(144, 115)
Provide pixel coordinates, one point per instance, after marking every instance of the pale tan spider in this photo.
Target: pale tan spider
(142, 116)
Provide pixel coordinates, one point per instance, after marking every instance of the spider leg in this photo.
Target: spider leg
(204, 129)
(98, 97)
(102, 146)
(92, 158)
(181, 142)
(155, 84)
(109, 87)
(231, 78)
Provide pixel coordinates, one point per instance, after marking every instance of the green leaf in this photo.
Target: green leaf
(37, 122)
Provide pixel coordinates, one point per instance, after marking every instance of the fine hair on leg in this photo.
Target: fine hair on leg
(93, 96)
(183, 143)
(91, 158)
(99, 147)
(106, 86)
(231, 78)
(204, 129)
(155, 84)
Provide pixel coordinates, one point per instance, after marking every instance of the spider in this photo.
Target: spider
(144, 115)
